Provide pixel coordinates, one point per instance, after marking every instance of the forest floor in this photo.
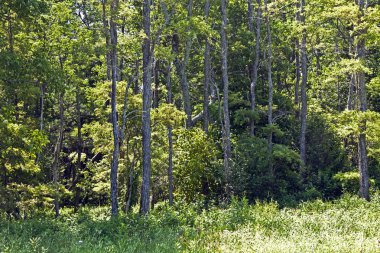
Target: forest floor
(345, 225)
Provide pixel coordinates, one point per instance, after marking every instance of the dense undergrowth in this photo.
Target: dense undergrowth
(345, 225)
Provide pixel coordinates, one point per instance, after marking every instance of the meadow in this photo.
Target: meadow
(349, 224)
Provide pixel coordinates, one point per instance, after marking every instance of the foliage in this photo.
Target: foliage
(349, 181)
(56, 55)
(347, 224)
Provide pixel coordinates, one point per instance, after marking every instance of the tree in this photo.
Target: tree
(115, 127)
(146, 130)
(170, 136)
(303, 88)
(270, 90)
(362, 97)
(255, 65)
(207, 73)
(226, 114)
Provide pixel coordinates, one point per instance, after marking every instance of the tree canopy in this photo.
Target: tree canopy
(134, 102)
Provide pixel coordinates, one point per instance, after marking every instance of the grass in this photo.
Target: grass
(346, 225)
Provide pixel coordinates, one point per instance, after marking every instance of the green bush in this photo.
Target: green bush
(349, 181)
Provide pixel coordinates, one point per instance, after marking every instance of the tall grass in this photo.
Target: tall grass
(346, 225)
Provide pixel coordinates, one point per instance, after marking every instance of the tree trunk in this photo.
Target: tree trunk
(351, 92)
(42, 103)
(57, 151)
(107, 35)
(181, 68)
(115, 127)
(156, 67)
(170, 139)
(146, 131)
(270, 91)
(362, 143)
(362, 97)
(77, 170)
(255, 65)
(303, 90)
(226, 128)
(207, 66)
(128, 194)
(125, 106)
(298, 76)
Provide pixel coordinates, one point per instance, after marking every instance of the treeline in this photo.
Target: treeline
(134, 102)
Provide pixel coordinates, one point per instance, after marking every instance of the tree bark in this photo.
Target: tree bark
(57, 151)
(270, 91)
(181, 68)
(170, 139)
(156, 67)
(107, 35)
(125, 105)
(42, 103)
(147, 97)
(255, 64)
(77, 170)
(362, 97)
(207, 66)
(303, 90)
(351, 92)
(115, 127)
(226, 128)
(298, 76)
(128, 194)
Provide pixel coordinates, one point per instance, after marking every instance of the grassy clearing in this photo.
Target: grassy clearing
(346, 225)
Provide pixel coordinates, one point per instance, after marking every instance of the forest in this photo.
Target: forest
(189, 122)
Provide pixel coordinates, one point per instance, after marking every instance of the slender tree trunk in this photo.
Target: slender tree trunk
(42, 103)
(125, 106)
(154, 189)
(115, 127)
(156, 67)
(226, 115)
(255, 65)
(362, 97)
(107, 35)
(298, 65)
(207, 66)
(128, 194)
(121, 64)
(351, 92)
(77, 170)
(339, 97)
(298, 75)
(57, 151)
(185, 83)
(170, 138)
(181, 68)
(362, 145)
(129, 183)
(303, 90)
(270, 91)
(130, 189)
(136, 85)
(147, 97)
